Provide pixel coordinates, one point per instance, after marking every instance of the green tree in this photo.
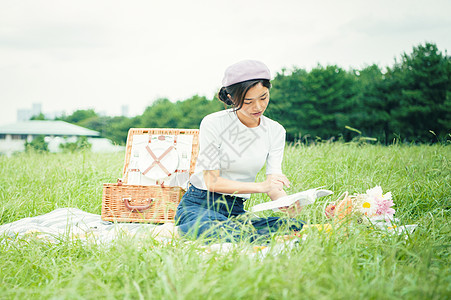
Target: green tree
(371, 115)
(81, 144)
(38, 117)
(288, 103)
(118, 130)
(330, 101)
(114, 128)
(37, 144)
(79, 115)
(161, 114)
(194, 109)
(319, 103)
(418, 93)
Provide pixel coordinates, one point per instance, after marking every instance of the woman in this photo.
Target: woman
(234, 145)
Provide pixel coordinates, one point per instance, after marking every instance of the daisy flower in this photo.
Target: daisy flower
(366, 205)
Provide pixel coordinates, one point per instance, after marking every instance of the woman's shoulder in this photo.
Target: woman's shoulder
(219, 116)
(274, 126)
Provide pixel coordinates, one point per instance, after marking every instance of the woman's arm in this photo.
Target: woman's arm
(273, 185)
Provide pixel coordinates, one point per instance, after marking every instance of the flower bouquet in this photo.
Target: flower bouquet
(372, 206)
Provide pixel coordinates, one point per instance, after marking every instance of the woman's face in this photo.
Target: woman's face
(254, 105)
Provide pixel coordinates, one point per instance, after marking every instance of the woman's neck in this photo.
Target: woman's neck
(248, 122)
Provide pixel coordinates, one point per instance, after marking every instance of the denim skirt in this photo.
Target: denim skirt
(217, 216)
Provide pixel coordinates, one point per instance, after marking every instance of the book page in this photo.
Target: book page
(304, 198)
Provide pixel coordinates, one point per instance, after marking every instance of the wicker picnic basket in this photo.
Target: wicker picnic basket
(135, 198)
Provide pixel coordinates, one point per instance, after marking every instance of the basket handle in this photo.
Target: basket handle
(342, 197)
(137, 208)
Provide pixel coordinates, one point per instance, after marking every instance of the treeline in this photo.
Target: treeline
(409, 101)
(161, 114)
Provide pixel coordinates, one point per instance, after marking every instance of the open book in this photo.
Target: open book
(304, 198)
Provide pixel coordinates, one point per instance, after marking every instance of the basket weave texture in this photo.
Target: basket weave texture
(140, 203)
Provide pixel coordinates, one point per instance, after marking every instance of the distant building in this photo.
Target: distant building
(23, 115)
(36, 109)
(124, 110)
(26, 114)
(14, 136)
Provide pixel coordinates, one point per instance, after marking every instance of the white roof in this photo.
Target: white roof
(39, 127)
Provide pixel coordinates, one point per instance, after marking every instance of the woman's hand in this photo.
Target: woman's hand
(292, 210)
(274, 183)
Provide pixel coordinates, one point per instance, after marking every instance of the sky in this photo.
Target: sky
(103, 54)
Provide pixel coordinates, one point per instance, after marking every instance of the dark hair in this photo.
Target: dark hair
(238, 91)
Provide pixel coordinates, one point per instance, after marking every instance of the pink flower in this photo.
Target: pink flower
(384, 207)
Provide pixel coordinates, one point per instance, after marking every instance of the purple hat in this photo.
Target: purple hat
(245, 70)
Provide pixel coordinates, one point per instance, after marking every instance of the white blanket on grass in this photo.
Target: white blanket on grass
(72, 223)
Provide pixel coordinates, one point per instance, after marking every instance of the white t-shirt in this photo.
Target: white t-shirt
(237, 151)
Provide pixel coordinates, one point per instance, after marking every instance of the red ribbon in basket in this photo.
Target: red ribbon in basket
(157, 160)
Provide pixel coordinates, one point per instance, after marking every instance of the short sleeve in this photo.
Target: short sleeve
(277, 146)
(209, 145)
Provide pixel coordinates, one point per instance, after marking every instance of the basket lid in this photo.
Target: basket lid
(186, 142)
(158, 160)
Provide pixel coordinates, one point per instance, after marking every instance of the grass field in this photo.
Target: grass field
(344, 264)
